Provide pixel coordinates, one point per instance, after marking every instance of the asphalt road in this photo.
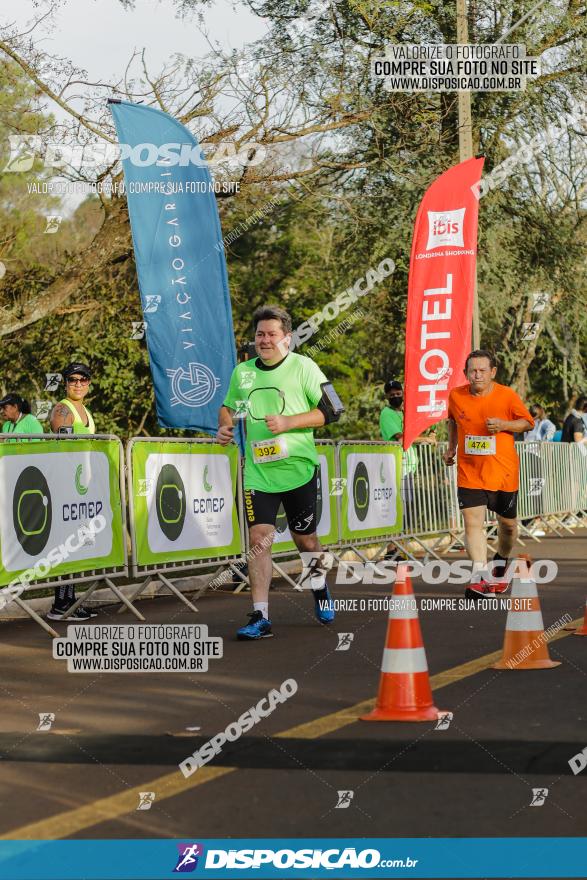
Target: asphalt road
(115, 735)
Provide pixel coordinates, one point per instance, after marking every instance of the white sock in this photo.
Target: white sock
(318, 581)
(263, 607)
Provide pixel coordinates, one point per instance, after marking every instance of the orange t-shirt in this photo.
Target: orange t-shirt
(483, 462)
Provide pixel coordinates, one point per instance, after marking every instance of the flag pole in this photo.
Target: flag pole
(466, 142)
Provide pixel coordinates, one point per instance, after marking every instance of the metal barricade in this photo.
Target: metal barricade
(163, 485)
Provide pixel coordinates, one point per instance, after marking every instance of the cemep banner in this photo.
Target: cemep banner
(61, 510)
(180, 266)
(183, 504)
(371, 498)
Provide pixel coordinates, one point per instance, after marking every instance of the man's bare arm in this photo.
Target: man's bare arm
(61, 416)
(449, 455)
(515, 426)
(313, 419)
(225, 433)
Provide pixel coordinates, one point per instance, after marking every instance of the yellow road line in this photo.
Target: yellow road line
(105, 809)
(108, 808)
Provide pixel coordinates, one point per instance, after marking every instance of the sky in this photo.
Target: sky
(100, 35)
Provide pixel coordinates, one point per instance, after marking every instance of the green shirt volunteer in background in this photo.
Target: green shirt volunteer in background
(391, 424)
(19, 419)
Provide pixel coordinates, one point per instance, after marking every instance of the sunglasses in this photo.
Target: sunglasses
(78, 381)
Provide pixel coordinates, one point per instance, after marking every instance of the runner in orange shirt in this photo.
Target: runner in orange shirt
(483, 417)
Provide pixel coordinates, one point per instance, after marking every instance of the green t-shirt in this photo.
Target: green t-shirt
(391, 422)
(27, 424)
(290, 387)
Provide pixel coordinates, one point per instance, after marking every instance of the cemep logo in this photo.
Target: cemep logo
(31, 510)
(187, 860)
(170, 498)
(361, 491)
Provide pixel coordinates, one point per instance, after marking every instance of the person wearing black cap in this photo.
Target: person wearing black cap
(71, 414)
(19, 419)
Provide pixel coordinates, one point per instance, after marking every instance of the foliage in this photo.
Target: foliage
(347, 164)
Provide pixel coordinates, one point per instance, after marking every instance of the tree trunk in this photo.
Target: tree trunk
(112, 245)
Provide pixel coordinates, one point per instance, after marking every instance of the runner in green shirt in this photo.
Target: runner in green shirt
(19, 419)
(282, 396)
(70, 416)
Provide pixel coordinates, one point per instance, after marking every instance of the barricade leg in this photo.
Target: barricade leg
(244, 581)
(120, 595)
(286, 577)
(527, 532)
(36, 617)
(207, 585)
(137, 592)
(83, 598)
(562, 524)
(428, 551)
(177, 593)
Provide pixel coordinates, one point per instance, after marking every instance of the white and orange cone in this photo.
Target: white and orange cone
(404, 686)
(579, 630)
(525, 645)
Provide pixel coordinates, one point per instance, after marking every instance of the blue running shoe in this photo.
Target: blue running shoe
(258, 627)
(324, 605)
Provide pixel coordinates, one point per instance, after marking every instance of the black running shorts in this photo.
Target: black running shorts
(299, 505)
(503, 503)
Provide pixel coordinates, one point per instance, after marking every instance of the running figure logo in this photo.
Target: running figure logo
(314, 565)
(187, 860)
(536, 485)
(152, 303)
(53, 381)
(53, 224)
(344, 641)
(146, 799)
(344, 799)
(139, 329)
(444, 720)
(46, 719)
(539, 795)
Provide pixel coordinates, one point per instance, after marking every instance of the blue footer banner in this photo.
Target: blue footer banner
(531, 857)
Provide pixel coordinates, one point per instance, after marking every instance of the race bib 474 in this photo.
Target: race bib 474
(479, 445)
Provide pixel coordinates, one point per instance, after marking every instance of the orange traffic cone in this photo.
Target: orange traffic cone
(404, 686)
(525, 645)
(580, 630)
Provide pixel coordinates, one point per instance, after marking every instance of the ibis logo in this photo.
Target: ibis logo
(170, 502)
(445, 228)
(32, 510)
